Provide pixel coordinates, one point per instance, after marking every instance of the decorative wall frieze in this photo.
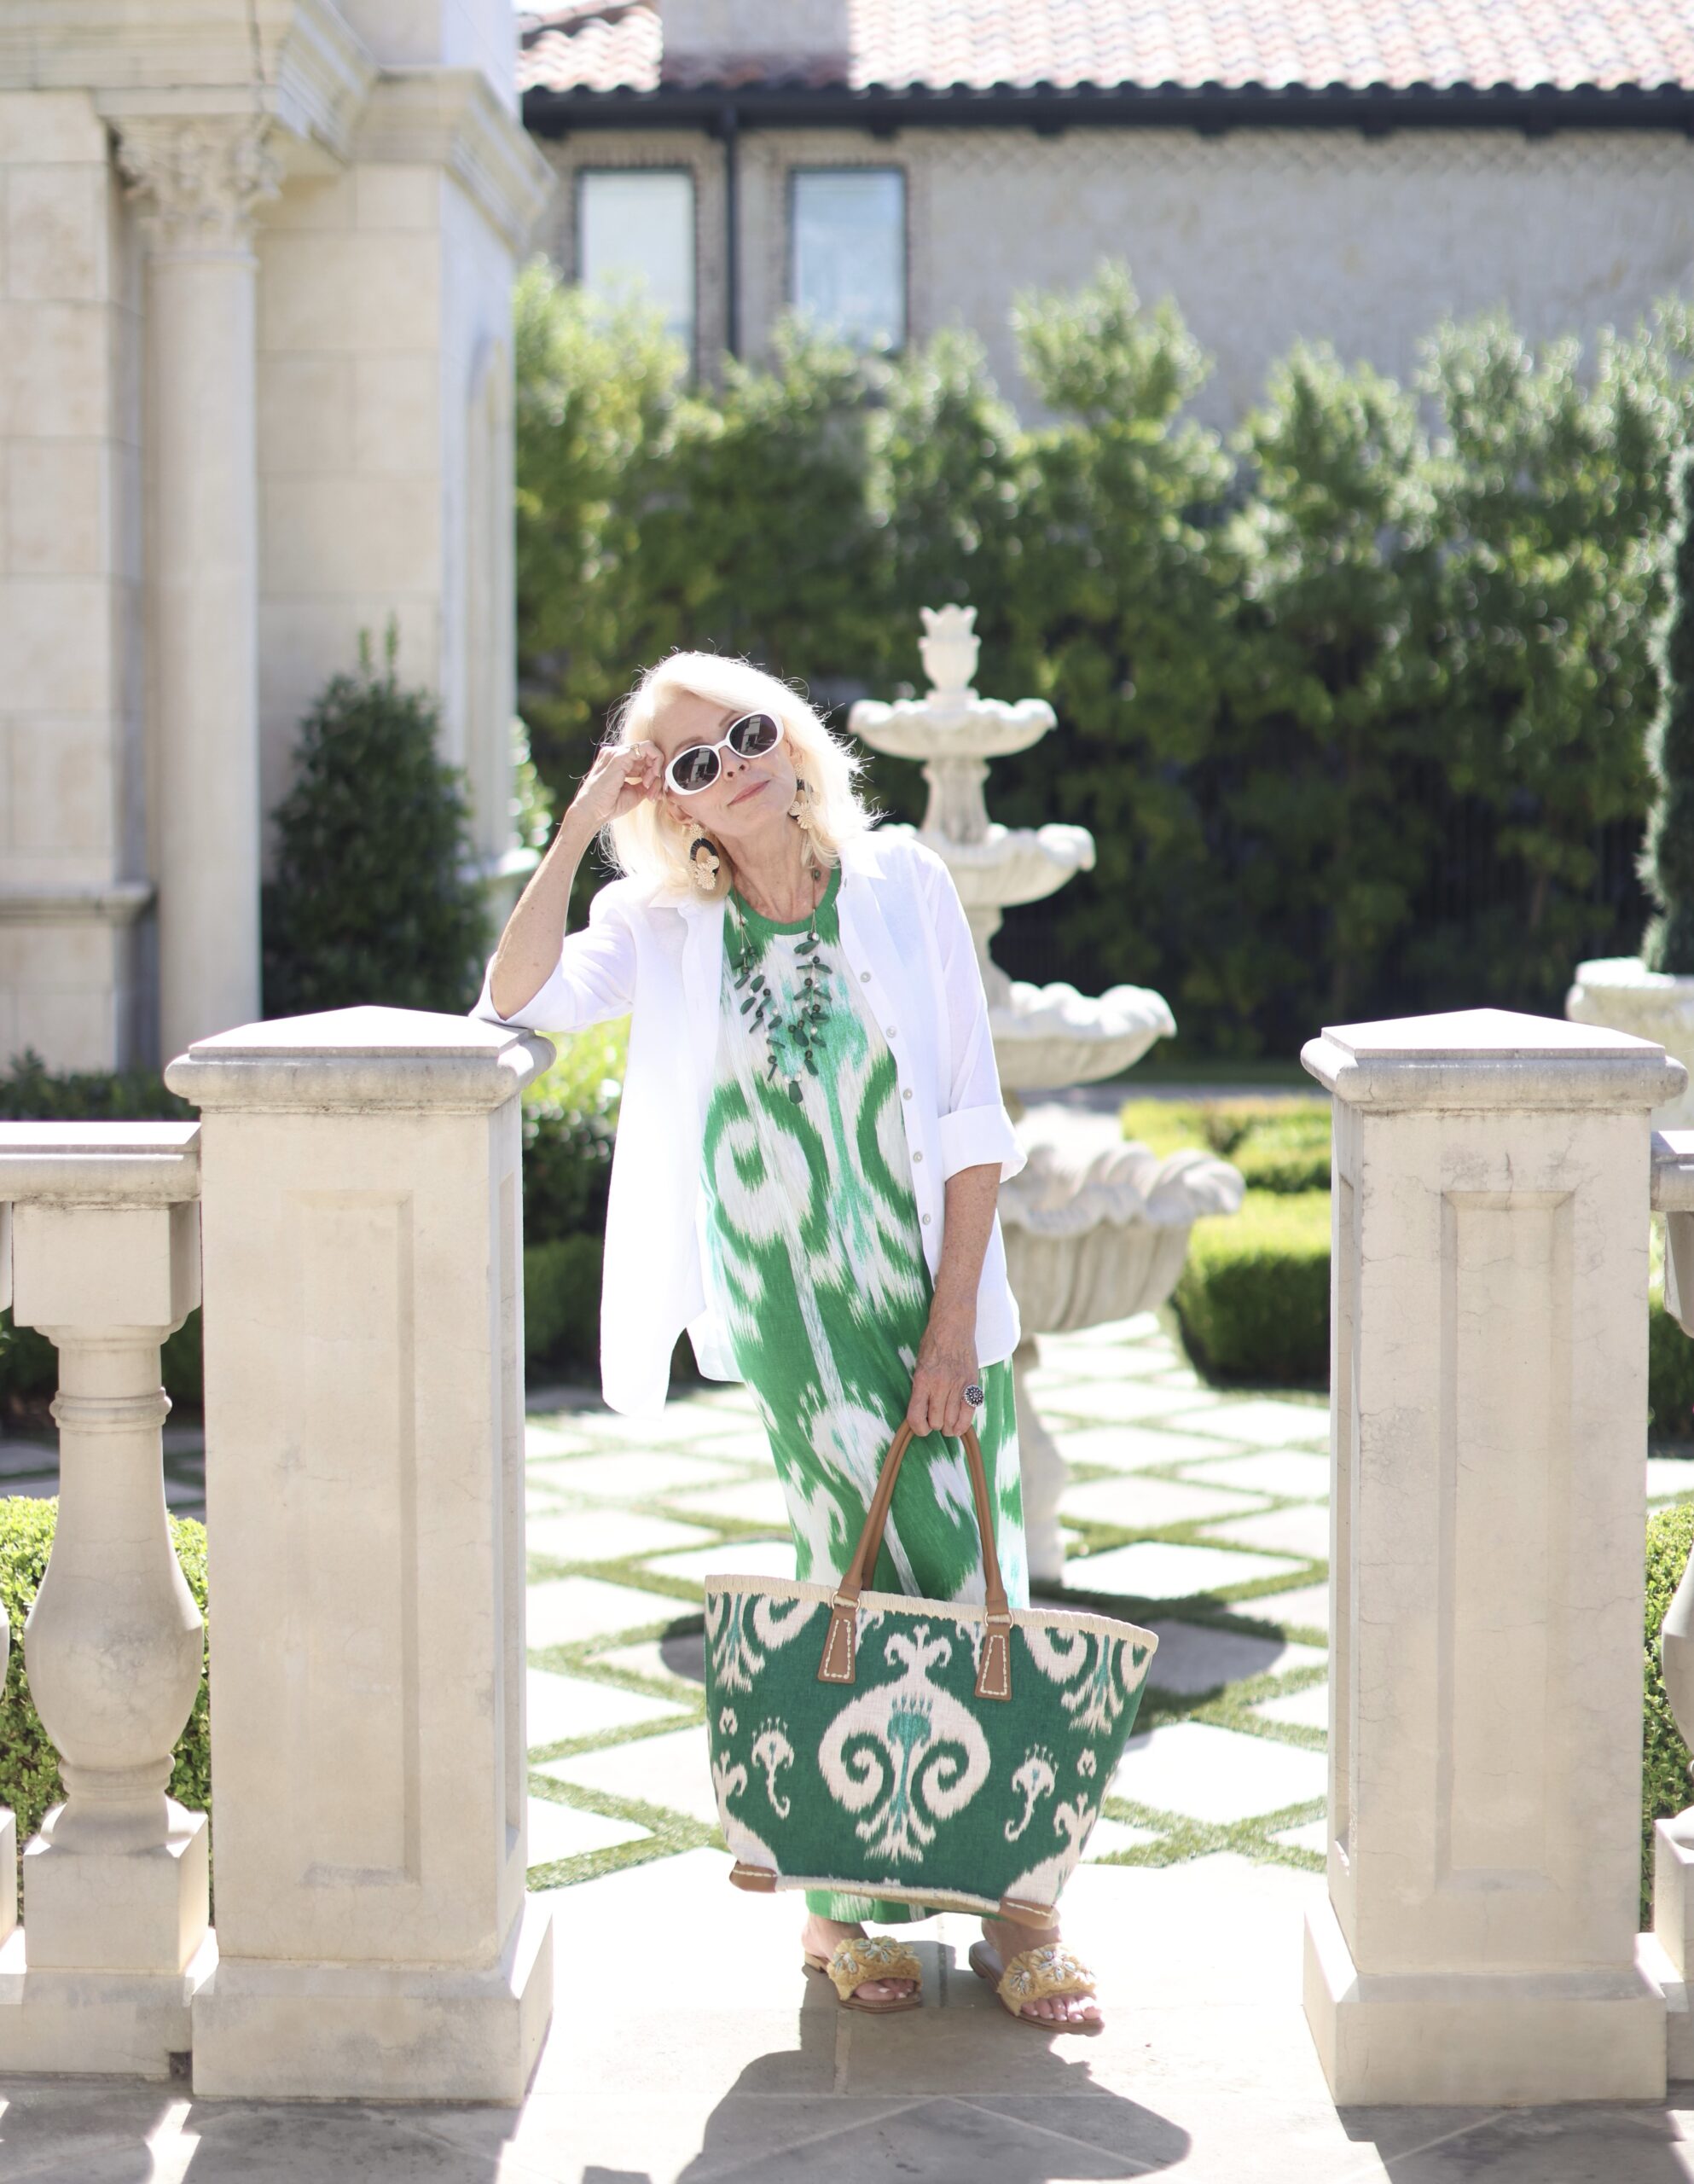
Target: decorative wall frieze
(451, 118)
(197, 179)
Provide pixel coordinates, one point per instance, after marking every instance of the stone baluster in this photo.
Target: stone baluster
(106, 1262)
(362, 1238)
(196, 179)
(1488, 1415)
(1674, 1839)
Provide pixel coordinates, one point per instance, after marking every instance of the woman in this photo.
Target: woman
(810, 1145)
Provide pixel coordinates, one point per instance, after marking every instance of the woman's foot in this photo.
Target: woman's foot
(823, 1936)
(1003, 1940)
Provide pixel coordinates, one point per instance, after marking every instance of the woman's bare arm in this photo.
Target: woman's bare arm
(528, 953)
(947, 1358)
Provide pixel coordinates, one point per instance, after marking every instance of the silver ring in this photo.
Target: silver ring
(974, 1397)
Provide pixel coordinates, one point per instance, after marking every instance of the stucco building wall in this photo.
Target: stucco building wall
(1262, 236)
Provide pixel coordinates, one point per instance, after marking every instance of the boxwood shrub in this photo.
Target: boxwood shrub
(1670, 1373)
(1665, 1786)
(29, 1767)
(1252, 1301)
(1279, 1145)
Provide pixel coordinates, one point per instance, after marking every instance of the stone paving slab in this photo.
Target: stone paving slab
(604, 1535)
(1287, 1473)
(560, 1706)
(1148, 1504)
(1302, 1528)
(1262, 1419)
(751, 1500)
(1162, 1570)
(563, 1610)
(1216, 1775)
(1305, 1710)
(669, 1770)
(631, 1477)
(1136, 1448)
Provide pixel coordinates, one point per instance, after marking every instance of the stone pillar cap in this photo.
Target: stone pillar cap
(348, 1059)
(100, 1163)
(1483, 1058)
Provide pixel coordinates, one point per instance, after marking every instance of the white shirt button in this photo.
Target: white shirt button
(907, 1094)
(889, 1029)
(866, 976)
(916, 1156)
(926, 1221)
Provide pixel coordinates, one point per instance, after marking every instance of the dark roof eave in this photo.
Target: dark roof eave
(1206, 106)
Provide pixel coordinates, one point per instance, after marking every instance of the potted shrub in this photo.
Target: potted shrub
(1653, 993)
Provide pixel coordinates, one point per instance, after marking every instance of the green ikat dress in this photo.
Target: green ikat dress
(818, 1263)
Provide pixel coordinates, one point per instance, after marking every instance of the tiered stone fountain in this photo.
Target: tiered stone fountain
(1087, 1238)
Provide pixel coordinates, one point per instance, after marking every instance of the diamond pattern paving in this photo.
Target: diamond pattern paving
(1181, 1493)
(1169, 1476)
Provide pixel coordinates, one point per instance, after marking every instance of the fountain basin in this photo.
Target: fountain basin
(950, 724)
(1100, 1237)
(1046, 1038)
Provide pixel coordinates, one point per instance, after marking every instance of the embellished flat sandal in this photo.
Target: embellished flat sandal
(1033, 1975)
(852, 1963)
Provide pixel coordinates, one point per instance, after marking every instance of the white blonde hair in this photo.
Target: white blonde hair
(647, 843)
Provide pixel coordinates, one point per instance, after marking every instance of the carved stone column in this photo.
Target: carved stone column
(196, 180)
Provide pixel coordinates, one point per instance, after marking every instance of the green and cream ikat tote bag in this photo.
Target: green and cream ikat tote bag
(923, 1751)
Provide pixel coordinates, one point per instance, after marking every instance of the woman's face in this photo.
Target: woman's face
(750, 796)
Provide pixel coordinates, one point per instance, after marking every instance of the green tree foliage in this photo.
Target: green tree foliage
(373, 899)
(1667, 865)
(1354, 705)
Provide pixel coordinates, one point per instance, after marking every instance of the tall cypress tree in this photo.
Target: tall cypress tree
(1668, 859)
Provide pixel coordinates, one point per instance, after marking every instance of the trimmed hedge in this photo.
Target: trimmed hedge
(1279, 1145)
(1252, 1300)
(1665, 1786)
(29, 1767)
(1670, 1373)
(561, 1305)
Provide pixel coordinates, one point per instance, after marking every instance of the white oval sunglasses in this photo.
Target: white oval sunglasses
(697, 766)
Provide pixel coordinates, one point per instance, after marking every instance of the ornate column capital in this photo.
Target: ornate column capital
(197, 177)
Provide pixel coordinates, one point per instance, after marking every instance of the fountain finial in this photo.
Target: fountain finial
(950, 646)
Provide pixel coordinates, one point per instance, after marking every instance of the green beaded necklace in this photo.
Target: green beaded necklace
(798, 1031)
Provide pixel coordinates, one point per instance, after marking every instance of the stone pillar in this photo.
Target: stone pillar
(115, 1941)
(1487, 1434)
(364, 1487)
(197, 180)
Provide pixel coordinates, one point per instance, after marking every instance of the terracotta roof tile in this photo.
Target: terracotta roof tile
(606, 44)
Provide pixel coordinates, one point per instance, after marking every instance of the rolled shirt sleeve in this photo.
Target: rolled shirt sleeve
(975, 1129)
(592, 981)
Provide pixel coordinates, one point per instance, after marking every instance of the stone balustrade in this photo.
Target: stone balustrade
(353, 1193)
(104, 1259)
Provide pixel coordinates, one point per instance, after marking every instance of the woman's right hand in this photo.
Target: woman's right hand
(622, 776)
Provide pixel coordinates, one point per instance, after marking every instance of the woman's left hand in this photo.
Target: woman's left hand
(947, 1365)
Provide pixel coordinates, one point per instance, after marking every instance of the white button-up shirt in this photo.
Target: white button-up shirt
(659, 959)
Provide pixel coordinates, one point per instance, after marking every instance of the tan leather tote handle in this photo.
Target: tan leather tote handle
(993, 1670)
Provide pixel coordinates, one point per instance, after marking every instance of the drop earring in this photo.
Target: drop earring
(801, 809)
(703, 863)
